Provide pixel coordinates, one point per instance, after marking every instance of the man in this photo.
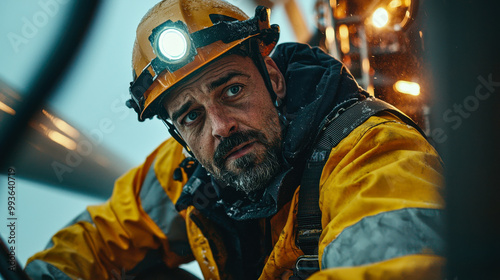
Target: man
(281, 193)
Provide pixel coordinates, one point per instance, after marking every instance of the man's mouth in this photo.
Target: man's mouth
(240, 150)
(236, 146)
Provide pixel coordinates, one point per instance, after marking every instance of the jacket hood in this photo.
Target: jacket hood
(316, 84)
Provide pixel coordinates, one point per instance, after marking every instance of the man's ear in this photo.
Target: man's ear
(277, 79)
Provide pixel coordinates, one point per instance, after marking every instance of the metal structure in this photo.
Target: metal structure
(16, 124)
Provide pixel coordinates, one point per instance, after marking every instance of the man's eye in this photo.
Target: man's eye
(233, 90)
(190, 117)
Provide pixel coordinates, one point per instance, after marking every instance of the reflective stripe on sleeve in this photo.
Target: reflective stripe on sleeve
(44, 270)
(161, 210)
(385, 236)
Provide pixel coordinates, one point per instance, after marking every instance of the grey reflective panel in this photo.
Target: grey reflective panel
(161, 209)
(38, 269)
(385, 236)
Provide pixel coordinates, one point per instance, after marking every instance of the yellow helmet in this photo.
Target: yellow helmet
(177, 37)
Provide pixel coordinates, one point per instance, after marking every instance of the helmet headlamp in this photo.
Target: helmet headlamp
(172, 44)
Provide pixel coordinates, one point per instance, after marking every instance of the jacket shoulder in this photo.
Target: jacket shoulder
(159, 166)
(382, 158)
(168, 156)
(381, 192)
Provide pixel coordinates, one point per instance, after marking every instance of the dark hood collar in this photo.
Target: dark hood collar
(316, 85)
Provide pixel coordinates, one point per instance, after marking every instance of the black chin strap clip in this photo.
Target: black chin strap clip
(173, 131)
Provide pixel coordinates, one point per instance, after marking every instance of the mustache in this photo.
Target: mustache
(238, 138)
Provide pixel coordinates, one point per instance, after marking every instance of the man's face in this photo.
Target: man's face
(226, 116)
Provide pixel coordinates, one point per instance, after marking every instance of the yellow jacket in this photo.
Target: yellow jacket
(380, 197)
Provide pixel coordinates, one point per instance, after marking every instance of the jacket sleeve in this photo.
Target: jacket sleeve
(138, 226)
(381, 200)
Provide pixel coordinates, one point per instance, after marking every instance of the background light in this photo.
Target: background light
(330, 35)
(172, 44)
(6, 108)
(58, 138)
(407, 87)
(395, 4)
(344, 38)
(380, 17)
(62, 140)
(62, 125)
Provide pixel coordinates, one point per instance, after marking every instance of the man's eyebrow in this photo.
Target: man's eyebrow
(182, 110)
(224, 79)
(211, 86)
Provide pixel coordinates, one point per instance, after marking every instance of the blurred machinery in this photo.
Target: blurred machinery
(380, 41)
(379, 44)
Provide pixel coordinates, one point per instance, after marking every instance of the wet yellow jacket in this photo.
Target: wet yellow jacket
(380, 197)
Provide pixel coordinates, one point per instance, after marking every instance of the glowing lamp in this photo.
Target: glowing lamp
(406, 87)
(380, 17)
(172, 44)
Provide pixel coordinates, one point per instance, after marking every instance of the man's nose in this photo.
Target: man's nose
(223, 123)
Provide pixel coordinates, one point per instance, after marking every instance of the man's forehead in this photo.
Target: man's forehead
(207, 75)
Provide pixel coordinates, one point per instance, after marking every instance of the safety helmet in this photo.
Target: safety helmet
(177, 37)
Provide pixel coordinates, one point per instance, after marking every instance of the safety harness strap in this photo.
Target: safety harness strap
(335, 129)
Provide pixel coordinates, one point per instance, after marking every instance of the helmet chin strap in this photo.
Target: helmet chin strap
(254, 53)
(261, 66)
(173, 131)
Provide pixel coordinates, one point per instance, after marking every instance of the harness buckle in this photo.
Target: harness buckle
(305, 266)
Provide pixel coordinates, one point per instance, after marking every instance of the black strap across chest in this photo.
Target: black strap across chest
(334, 130)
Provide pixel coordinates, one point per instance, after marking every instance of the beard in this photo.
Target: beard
(252, 171)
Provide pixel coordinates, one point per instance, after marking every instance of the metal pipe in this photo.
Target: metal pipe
(50, 73)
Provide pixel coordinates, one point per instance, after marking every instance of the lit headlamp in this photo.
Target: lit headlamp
(175, 47)
(172, 45)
